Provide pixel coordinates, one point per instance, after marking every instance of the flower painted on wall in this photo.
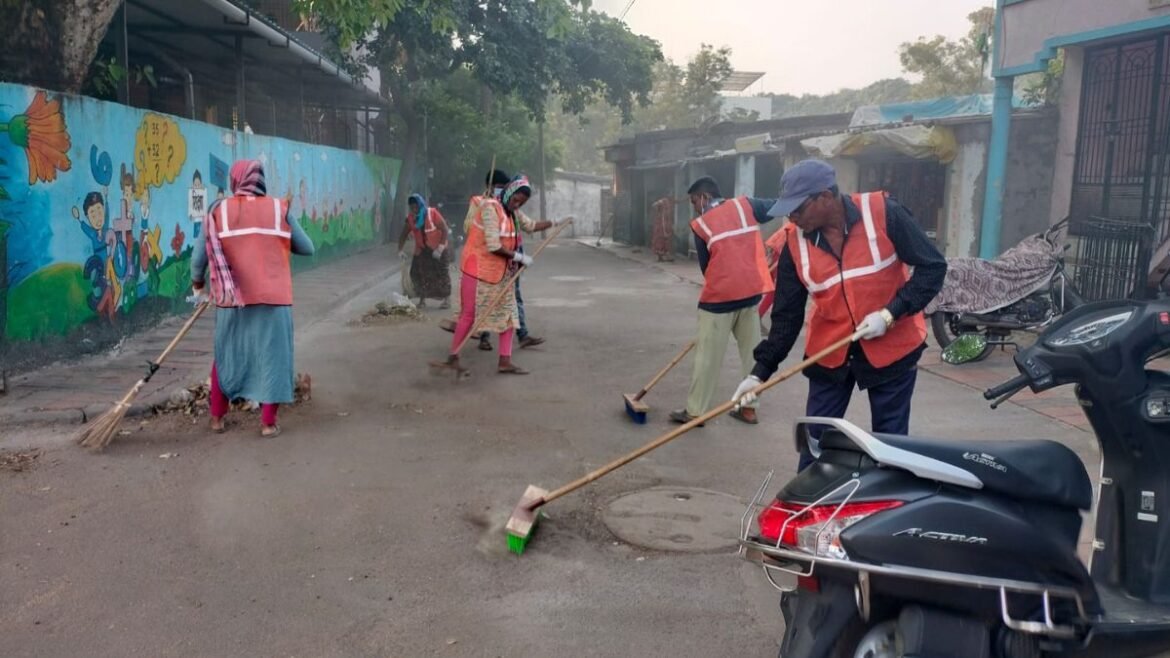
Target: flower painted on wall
(177, 241)
(41, 132)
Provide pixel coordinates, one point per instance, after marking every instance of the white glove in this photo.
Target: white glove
(402, 255)
(561, 221)
(744, 394)
(198, 296)
(438, 253)
(523, 259)
(875, 325)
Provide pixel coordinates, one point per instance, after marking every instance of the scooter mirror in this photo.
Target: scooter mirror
(964, 349)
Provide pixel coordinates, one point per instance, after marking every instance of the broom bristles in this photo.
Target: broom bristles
(101, 432)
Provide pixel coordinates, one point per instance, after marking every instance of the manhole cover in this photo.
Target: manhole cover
(676, 519)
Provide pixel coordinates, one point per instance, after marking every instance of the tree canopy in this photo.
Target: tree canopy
(952, 68)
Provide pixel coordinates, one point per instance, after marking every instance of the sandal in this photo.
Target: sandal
(222, 426)
(512, 370)
(485, 345)
(270, 432)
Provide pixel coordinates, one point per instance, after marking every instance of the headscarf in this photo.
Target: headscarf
(518, 184)
(247, 179)
(421, 218)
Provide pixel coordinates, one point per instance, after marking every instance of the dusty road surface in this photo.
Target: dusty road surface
(371, 527)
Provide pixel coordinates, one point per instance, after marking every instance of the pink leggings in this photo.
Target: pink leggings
(467, 286)
(220, 404)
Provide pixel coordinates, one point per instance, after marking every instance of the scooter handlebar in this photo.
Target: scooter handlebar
(1010, 386)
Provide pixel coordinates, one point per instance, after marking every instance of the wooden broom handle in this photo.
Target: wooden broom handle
(175, 341)
(499, 298)
(710, 415)
(662, 373)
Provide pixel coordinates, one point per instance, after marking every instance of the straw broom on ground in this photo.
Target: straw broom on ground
(101, 431)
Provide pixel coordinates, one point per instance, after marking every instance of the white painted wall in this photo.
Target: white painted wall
(580, 200)
(745, 175)
(1027, 25)
(1066, 147)
(963, 187)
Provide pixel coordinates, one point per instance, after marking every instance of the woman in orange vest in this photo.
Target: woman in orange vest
(249, 237)
(428, 268)
(852, 254)
(490, 256)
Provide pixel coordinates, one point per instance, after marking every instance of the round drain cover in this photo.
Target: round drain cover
(676, 519)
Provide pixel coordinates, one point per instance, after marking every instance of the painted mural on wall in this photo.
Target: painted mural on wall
(100, 205)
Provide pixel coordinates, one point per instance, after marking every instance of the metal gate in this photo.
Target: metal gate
(1121, 164)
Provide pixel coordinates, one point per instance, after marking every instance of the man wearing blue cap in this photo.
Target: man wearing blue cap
(853, 254)
(735, 278)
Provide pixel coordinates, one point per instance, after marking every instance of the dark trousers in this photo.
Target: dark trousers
(522, 330)
(889, 405)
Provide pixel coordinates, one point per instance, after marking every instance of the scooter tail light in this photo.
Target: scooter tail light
(816, 530)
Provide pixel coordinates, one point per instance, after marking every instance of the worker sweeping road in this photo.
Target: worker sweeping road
(853, 254)
(495, 182)
(249, 238)
(428, 268)
(490, 255)
(735, 274)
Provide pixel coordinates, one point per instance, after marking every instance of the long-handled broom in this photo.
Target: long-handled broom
(493, 305)
(101, 431)
(526, 513)
(635, 408)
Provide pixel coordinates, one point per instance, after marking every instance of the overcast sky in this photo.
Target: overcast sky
(804, 46)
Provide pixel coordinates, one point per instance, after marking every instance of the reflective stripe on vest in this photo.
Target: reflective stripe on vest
(478, 261)
(737, 268)
(876, 266)
(257, 249)
(862, 282)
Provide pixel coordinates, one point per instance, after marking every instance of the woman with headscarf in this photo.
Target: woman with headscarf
(490, 256)
(249, 238)
(428, 267)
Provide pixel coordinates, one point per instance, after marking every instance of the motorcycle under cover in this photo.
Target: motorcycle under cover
(974, 285)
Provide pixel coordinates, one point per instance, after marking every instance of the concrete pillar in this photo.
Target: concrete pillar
(1064, 168)
(997, 157)
(745, 176)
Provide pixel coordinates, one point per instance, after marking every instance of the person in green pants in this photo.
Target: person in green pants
(735, 279)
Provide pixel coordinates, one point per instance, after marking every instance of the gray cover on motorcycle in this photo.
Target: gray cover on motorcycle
(974, 285)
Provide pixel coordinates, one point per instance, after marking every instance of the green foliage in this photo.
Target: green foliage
(951, 68)
(466, 127)
(892, 90)
(706, 73)
(106, 73)
(50, 302)
(1044, 88)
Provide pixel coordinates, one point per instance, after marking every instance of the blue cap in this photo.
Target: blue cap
(802, 180)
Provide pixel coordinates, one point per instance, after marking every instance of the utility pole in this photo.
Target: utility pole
(543, 186)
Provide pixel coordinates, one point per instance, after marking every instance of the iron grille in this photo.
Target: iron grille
(1112, 257)
(1122, 164)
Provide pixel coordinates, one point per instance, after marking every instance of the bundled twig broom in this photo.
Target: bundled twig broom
(101, 431)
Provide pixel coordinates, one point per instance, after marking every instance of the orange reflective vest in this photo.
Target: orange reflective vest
(433, 234)
(257, 243)
(737, 268)
(478, 261)
(865, 280)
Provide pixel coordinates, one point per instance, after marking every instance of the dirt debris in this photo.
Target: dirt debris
(193, 400)
(18, 461)
(388, 314)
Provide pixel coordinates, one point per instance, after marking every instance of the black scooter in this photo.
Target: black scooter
(896, 546)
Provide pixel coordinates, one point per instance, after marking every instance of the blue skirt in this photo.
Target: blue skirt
(254, 353)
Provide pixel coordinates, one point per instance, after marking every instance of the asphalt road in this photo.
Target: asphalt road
(371, 527)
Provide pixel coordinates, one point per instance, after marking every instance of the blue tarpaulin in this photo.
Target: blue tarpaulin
(950, 107)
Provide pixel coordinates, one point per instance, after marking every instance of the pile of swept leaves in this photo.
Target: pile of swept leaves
(192, 400)
(18, 460)
(385, 313)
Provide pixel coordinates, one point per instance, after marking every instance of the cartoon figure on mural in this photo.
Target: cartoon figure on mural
(149, 252)
(94, 218)
(197, 203)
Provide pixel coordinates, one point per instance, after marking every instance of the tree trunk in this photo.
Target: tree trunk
(51, 43)
(406, 175)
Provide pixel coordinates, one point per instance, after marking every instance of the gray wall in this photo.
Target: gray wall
(1027, 195)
